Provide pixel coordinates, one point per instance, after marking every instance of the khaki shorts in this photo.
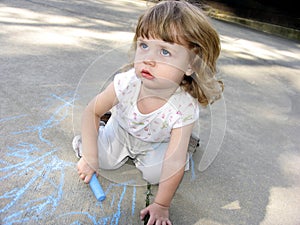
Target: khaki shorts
(116, 146)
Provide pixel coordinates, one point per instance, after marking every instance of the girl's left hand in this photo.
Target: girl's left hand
(85, 172)
(159, 215)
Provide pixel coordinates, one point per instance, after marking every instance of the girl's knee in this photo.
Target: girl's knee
(151, 174)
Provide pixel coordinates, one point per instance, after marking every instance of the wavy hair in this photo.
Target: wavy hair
(183, 23)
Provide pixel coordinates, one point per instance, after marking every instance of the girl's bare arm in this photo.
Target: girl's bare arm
(174, 165)
(172, 173)
(102, 103)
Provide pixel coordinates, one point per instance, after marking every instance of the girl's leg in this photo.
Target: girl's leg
(150, 163)
(77, 143)
(112, 146)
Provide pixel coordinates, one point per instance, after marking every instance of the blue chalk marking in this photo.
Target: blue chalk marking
(11, 118)
(97, 189)
(70, 103)
(56, 118)
(133, 201)
(27, 158)
(112, 201)
(117, 201)
(116, 217)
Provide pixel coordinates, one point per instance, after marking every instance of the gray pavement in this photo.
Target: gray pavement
(55, 55)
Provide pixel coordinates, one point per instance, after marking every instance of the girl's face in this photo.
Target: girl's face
(160, 62)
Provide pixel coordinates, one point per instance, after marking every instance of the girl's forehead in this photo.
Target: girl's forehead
(169, 34)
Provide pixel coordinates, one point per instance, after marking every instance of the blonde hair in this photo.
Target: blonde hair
(183, 23)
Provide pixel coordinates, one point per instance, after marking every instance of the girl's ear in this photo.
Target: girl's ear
(189, 71)
(193, 61)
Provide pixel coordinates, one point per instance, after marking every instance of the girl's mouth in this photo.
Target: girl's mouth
(147, 75)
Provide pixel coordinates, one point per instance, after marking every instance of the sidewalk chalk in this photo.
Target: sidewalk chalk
(96, 188)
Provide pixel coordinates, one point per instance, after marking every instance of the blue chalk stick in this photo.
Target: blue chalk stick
(96, 188)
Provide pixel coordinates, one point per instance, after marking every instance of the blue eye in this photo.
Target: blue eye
(165, 52)
(143, 46)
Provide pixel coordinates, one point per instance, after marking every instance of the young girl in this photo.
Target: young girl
(156, 102)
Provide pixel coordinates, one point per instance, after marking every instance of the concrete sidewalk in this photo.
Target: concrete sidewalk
(55, 55)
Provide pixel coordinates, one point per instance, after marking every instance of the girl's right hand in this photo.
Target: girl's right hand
(158, 214)
(85, 172)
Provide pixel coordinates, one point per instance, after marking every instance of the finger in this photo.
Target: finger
(82, 176)
(88, 178)
(169, 222)
(151, 221)
(158, 222)
(143, 213)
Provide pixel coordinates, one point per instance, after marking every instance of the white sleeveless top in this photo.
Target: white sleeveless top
(180, 110)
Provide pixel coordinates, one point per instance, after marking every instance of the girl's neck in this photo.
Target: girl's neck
(165, 94)
(150, 100)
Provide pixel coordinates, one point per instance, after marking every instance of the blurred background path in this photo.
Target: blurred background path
(55, 55)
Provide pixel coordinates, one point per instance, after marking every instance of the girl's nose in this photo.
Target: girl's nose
(149, 62)
(149, 57)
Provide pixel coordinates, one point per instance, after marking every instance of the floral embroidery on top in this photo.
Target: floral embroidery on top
(180, 110)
